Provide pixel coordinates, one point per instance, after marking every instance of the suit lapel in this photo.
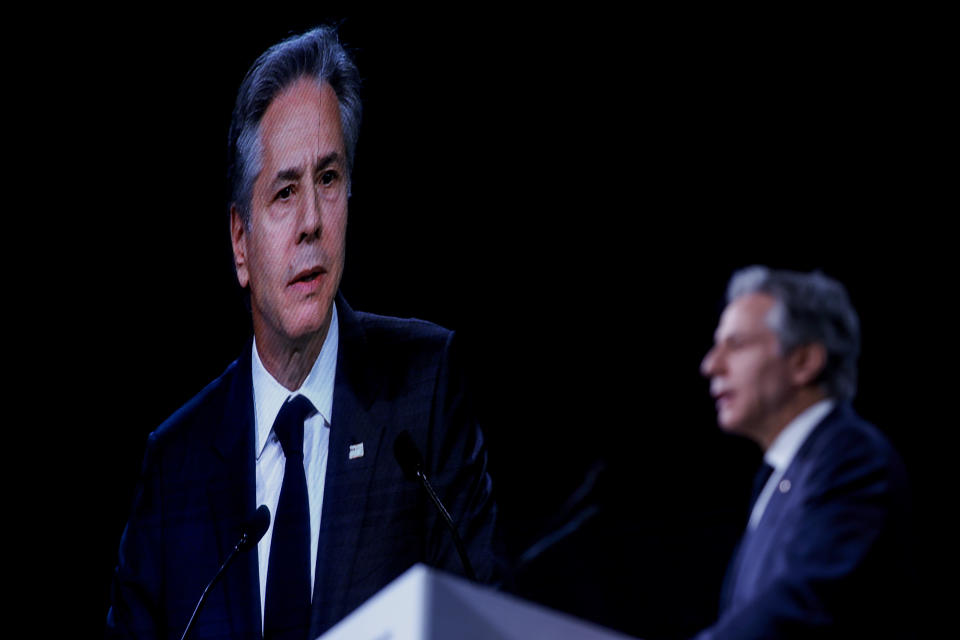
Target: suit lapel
(794, 472)
(232, 494)
(347, 479)
(755, 544)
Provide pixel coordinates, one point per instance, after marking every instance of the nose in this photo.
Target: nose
(311, 217)
(709, 365)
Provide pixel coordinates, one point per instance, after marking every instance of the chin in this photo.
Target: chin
(729, 424)
(727, 427)
(307, 324)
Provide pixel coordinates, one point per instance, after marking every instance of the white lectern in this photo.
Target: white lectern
(426, 604)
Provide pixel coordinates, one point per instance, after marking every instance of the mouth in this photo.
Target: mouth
(307, 277)
(721, 397)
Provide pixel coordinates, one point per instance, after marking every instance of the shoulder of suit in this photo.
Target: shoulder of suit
(398, 336)
(405, 354)
(204, 409)
(849, 438)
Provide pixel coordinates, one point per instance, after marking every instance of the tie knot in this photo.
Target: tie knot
(289, 425)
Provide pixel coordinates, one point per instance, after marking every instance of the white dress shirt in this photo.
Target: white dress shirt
(782, 452)
(268, 396)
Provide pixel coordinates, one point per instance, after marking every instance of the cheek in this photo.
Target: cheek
(772, 384)
(265, 263)
(748, 380)
(335, 237)
(744, 370)
(335, 224)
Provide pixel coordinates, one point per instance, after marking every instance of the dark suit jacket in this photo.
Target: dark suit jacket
(831, 556)
(198, 488)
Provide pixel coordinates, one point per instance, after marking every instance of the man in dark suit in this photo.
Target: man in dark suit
(306, 419)
(826, 551)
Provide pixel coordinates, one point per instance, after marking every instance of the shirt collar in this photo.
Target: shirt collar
(269, 395)
(784, 448)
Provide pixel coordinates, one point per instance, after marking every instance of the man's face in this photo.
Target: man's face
(292, 254)
(749, 377)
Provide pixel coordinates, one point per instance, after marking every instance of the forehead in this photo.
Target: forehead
(304, 116)
(747, 314)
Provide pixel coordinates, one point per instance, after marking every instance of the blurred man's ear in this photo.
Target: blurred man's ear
(807, 362)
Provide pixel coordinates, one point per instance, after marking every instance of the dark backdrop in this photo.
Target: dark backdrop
(571, 195)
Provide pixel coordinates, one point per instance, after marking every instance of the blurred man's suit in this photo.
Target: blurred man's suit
(829, 555)
(198, 488)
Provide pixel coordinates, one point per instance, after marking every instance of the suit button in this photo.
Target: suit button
(784, 485)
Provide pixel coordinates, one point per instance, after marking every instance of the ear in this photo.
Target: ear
(807, 362)
(238, 238)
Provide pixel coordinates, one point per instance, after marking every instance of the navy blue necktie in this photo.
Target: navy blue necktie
(287, 606)
(760, 481)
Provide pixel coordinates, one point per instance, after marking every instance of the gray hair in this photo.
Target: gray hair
(315, 54)
(810, 307)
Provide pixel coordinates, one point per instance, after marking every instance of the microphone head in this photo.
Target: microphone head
(254, 529)
(407, 454)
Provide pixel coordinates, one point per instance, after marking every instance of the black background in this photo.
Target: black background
(569, 193)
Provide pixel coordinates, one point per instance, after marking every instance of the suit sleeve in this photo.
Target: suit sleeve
(135, 591)
(458, 458)
(835, 567)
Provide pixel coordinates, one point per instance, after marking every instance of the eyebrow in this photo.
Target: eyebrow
(295, 173)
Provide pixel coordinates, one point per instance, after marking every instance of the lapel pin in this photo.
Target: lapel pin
(356, 451)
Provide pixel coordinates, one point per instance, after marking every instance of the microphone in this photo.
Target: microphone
(253, 531)
(408, 456)
(250, 535)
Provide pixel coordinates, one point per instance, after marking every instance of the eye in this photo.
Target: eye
(731, 343)
(284, 193)
(328, 177)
